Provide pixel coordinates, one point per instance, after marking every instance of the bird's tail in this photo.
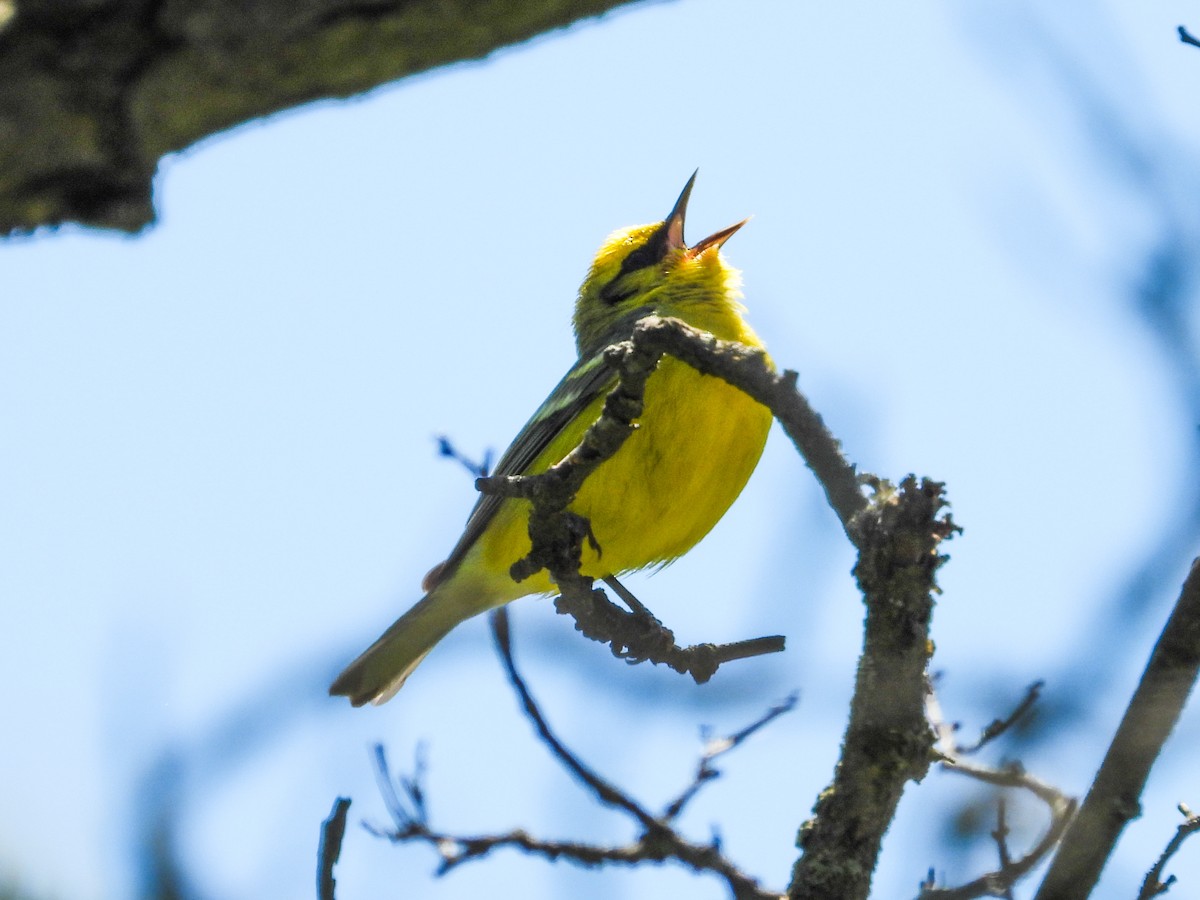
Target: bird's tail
(382, 668)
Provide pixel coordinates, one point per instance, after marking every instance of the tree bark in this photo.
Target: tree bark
(94, 92)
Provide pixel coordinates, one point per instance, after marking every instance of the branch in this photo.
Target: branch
(93, 94)
(705, 772)
(333, 830)
(888, 740)
(638, 636)
(1062, 808)
(997, 727)
(1187, 38)
(751, 371)
(1000, 836)
(1154, 886)
(658, 841)
(1151, 715)
(557, 535)
(479, 469)
(995, 884)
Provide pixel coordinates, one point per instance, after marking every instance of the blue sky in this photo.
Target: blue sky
(218, 467)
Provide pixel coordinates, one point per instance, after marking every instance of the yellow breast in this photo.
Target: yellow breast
(697, 442)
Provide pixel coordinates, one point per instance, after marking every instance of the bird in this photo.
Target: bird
(696, 444)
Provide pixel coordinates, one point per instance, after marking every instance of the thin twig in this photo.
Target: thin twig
(658, 842)
(1061, 808)
(605, 792)
(1187, 38)
(1154, 886)
(1148, 721)
(333, 829)
(1000, 836)
(447, 449)
(997, 727)
(994, 884)
(705, 772)
(638, 636)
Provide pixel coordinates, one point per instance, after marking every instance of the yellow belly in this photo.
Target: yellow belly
(669, 484)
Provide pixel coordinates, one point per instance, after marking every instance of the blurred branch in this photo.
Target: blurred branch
(94, 92)
(1138, 161)
(997, 727)
(658, 841)
(1154, 886)
(1000, 836)
(1151, 715)
(888, 739)
(1187, 38)
(1062, 808)
(447, 449)
(333, 829)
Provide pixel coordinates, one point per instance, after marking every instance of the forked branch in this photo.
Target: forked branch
(658, 841)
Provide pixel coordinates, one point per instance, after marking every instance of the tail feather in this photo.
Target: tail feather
(382, 668)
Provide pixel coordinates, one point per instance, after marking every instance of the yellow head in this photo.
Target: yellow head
(648, 269)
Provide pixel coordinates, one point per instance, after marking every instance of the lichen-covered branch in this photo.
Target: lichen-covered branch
(750, 371)
(557, 535)
(94, 92)
(888, 740)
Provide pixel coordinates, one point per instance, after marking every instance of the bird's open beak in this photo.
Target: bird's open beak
(673, 225)
(715, 240)
(674, 221)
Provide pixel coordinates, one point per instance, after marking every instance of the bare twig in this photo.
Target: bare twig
(1000, 836)
(888, 739)
(1187, 38)
(605, 792)
(1154, 886)
(995, 884)
(1062, 808)
(658, 842)
(1151, 715)
(333, 830)
(447, 449)
(706, 772)
(997, 727)
(411, 806)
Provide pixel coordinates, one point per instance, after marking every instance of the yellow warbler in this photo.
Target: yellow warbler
(698, 440)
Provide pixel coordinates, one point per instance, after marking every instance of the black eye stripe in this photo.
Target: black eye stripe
(640, 258)
(649, 254)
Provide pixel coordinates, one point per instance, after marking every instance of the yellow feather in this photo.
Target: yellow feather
(697, 443)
